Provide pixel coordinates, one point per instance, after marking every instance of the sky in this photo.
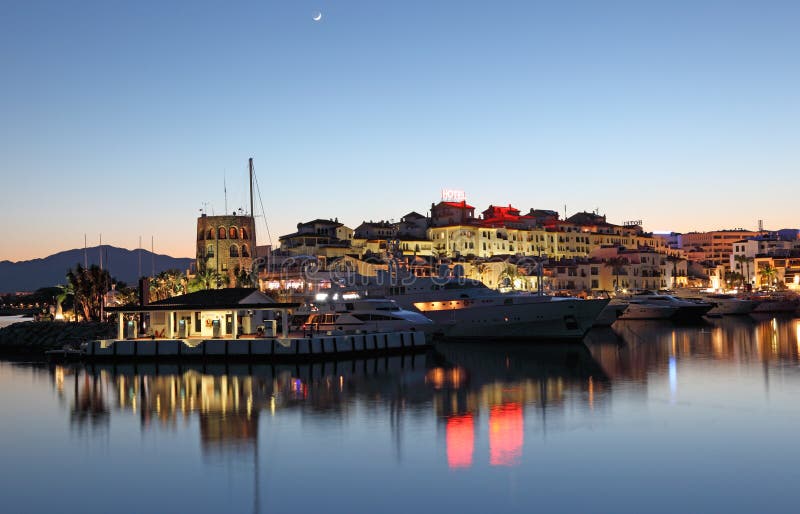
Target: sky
(126, 118)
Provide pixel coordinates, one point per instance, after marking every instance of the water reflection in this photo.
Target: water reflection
(500, 381)
(686, 397)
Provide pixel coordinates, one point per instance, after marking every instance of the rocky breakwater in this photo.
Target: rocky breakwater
(38, 337)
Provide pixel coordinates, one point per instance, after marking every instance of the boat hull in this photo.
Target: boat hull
(637, 311)
(731, 307)
(565, 320)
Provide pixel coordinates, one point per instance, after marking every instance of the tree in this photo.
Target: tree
(207, 279)
(510, 275)
(674, 259)
(743, 262)
(89, 286)
(617, 264)
(768, 274)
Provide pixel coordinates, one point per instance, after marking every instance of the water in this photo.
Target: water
(646, 417)
(10, 320)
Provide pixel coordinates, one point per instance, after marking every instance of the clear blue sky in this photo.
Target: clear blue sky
(120, 117)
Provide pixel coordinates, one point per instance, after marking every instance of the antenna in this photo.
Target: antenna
(761, 225)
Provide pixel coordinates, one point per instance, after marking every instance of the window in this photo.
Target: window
(234, 251)
(222, 233)
(245, 251)
(210, 234)
(210, 251)
(244, 234)
(233, 233)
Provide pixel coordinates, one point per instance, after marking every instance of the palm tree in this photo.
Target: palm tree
(207, 279)
(617, 264)
(89, 286)
(66, 291)
(742, 260)
(768, 274)
(511, 274)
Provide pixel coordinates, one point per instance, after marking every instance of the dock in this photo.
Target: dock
(277, 348)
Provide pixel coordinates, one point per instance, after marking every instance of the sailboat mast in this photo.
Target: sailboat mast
(252, 211)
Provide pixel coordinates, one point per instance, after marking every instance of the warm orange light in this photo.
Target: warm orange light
(506, 434)
(460, 433)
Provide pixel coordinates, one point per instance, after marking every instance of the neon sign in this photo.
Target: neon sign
(453, 195)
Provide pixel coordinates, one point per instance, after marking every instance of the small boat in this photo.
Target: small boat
(363, 315)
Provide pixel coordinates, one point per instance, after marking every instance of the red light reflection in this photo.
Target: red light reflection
(460, 433)
(506, 434)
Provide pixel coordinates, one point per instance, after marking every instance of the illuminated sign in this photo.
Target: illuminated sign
(453, 195)
(632, 223)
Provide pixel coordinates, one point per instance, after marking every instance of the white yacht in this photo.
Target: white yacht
(467, 309)
(663, 306)
(360, 315)
(728, 304)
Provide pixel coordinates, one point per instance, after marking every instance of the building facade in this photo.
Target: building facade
(224, 243)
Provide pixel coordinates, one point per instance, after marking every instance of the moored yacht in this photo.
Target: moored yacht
(728, 304)
(361, 315)
(464, 309)
(662, 306)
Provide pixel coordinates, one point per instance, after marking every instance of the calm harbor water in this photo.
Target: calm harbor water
(645, 417)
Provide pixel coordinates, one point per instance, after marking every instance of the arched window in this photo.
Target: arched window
(245, 235)
(210, 234)
(210, 251)
(245, 251)
(234, 251)
(222, 232)
(233, 233)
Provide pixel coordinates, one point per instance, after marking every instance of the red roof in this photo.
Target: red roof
(458, 205)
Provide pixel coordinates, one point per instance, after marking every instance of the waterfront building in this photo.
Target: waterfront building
(413, 226)
(452, 213)
(714, 247)
(224, 243)
(328, 238)
(210, 314)
(751, 256)
(376, 230)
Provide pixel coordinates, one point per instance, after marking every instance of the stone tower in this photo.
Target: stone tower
(225, 243)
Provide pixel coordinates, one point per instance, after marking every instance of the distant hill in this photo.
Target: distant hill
(123, 265)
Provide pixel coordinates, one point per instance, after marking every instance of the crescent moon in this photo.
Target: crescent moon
(316, 16)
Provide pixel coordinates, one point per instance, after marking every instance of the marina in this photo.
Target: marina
(685, 404)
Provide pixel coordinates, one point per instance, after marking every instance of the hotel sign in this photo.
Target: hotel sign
(453, 195)
(632, 223)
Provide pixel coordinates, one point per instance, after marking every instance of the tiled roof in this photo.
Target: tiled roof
(211, 298)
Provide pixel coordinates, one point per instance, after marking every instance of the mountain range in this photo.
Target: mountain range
(123, 264)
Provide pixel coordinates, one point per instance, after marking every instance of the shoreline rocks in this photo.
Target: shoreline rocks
(32, 337)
